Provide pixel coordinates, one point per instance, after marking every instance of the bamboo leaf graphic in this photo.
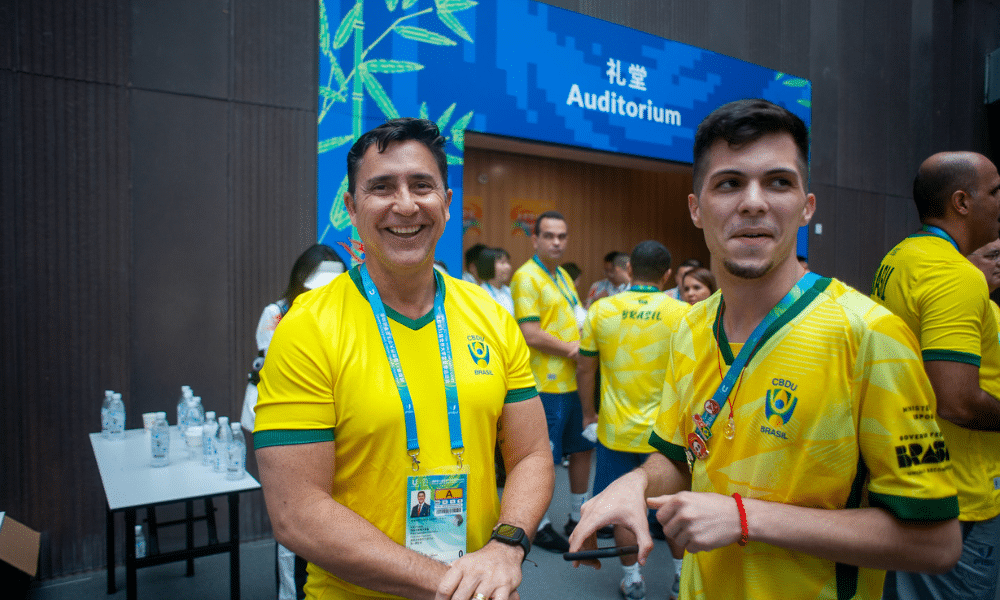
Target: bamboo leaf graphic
(442, 121)
(338, 212)
(423, 111)
(795, 82)
(420, 34)
(458, 130)
(324, 31)
(337, 72)
(378, 94)
(391, 4)
(454, 160)
(392, 66)
(452, 23)
(333, 143)
(805, 103)
(408, 3)
(329, 93)
(454, 5)
(778, 75)
(346, 27)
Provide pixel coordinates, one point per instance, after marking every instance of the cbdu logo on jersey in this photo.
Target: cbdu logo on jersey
(779, 405)
(480, 354)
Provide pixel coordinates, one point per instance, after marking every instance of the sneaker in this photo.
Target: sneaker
(605, 533)
(548, 539)
(635, 590)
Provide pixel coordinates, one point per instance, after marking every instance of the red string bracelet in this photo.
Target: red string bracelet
(745, 532)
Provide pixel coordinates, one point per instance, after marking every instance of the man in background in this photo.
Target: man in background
(549, 313)
(944, 299)
(615, 277)
(627, 335)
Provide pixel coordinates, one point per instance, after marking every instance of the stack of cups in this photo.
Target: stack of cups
(193, 437)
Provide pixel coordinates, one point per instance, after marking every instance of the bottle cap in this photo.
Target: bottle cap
(210, 415)
(138, 529)
(161, 415)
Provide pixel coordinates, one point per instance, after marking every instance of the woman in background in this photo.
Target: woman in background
(697, 285)
(494, 268)
(316, 267)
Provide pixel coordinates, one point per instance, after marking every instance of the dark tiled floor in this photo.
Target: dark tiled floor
(553, 578)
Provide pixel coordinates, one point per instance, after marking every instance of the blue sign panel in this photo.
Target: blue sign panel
(515, 68)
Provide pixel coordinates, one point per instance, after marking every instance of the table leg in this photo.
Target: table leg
(234, 550)
(189, 509)
(130, 584)
(109, 530)
(152, 532)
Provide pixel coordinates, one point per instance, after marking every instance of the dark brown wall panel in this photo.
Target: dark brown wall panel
(65, 286)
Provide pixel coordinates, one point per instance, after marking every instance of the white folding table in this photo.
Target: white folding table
(131, 483)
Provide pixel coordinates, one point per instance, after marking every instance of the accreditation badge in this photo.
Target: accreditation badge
(437, 514)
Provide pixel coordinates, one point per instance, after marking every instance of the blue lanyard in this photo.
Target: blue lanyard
(713, 408)
(447, 368)
(560, 282)
(941, 233)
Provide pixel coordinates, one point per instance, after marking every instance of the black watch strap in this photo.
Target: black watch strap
(513, 536)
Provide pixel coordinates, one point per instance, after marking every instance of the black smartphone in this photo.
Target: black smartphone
(601, 553)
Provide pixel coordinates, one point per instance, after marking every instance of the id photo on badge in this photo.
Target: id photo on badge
(420, 503)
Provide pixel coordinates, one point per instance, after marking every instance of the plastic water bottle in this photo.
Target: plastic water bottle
(116, 417)
(195, 412)
(160, 441)
(108, 394)
(222, 439)
(208, 432)
(140, 542)
(182, 408)
(237, 463)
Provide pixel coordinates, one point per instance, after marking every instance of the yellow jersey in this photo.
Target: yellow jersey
(327, 378)
(944, 300)
(833, 405)
(550, 299)
(629, 332)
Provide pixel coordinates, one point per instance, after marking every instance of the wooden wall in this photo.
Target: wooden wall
(606, 207)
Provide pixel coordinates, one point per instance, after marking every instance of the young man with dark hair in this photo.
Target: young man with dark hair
(627, 335)
(615, 280)
(945, 301)
(394, 379)
(550, 315)
(784, 403)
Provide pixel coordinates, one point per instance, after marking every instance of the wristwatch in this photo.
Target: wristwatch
(513, 536)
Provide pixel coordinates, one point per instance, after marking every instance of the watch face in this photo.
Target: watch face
(507, 531)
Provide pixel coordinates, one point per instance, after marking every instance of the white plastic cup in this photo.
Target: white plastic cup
(192, 435)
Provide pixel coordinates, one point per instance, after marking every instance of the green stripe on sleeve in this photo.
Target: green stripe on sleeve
(588, 352)
(671, 451)
(916, 509)
(289, 437)
(520, 395)
(529, 319)
(952, 356)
